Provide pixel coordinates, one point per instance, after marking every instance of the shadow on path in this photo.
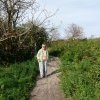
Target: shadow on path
(52, 73)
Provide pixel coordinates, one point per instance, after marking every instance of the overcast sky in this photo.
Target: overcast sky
(85, 13)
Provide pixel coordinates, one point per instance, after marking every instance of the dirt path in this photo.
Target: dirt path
(48, 88)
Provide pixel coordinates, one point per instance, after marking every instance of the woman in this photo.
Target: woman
(42, 57)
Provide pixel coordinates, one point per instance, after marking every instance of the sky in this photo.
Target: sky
(85, 13)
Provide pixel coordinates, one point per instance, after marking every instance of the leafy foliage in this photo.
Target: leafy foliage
(80, 68)
(17, 80)
(18, 49)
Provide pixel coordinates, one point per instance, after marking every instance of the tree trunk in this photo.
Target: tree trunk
(10, 17)
(10, 28)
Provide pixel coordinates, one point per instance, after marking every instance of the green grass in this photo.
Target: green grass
(80, 68)
(17, 80)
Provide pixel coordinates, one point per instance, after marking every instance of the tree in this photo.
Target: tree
(12, 11)
(18, 39)
(24, 47)
(54, 34)
(74, 31)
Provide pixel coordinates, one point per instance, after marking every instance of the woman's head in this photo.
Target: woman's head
(44, 46)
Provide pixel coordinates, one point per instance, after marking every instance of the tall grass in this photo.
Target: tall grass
(80, 68)
(17, 80)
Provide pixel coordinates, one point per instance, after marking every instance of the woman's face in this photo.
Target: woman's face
(44, 47)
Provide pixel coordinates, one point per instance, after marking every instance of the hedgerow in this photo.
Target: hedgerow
(17, 80)
(80, 68)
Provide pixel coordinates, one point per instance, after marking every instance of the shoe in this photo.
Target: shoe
(45, 75)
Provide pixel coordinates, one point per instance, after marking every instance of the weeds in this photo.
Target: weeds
(17, 80)
(80, 68)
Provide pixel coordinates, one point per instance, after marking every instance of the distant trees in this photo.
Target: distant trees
(74, 31)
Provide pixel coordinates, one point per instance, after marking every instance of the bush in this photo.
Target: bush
(19, 47)
(17, 80)
(80, 68)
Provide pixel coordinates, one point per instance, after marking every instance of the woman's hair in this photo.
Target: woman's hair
(43, 44)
